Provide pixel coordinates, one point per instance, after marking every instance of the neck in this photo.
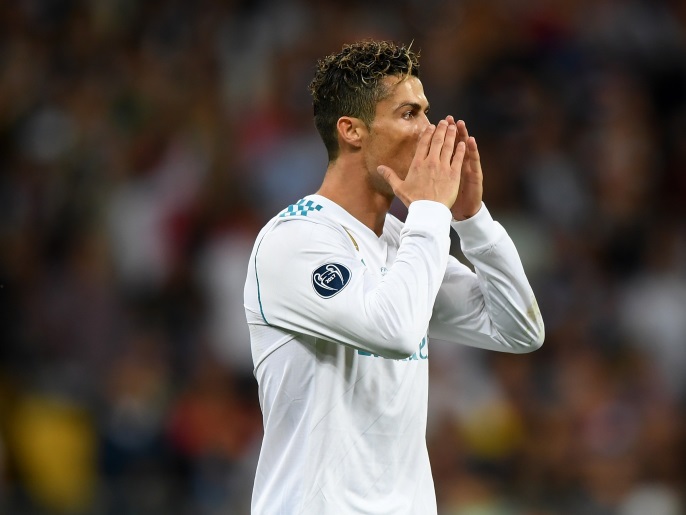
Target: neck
(348, 185)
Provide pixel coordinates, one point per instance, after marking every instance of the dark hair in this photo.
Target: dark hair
(349, 84)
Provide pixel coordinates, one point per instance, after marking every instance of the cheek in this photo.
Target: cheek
(402, 155)
(396, 148)
(408, 146)
(406, 142)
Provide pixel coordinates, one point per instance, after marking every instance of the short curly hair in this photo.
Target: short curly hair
(348, 83)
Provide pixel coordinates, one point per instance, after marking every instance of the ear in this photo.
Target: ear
(351, 131)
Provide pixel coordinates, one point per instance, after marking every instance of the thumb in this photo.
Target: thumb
(389, 176)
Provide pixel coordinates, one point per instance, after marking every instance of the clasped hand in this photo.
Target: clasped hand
(446, 168)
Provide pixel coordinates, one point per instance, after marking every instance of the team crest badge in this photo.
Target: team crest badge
(329, 279)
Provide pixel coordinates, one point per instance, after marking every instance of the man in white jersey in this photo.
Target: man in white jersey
(341, 297)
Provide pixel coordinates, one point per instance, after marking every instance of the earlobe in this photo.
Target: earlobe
(350, 131)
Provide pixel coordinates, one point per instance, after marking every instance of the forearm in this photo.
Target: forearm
(494, 308)
(388, 315)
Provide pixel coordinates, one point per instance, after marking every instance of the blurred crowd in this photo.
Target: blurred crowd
(143, 145)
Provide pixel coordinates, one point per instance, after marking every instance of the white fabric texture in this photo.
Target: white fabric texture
(339, 322)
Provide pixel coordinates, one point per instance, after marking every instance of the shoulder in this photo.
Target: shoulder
(302, 227)
(304, 208)
(292, 248)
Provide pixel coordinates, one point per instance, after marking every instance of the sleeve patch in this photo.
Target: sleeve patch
(329, 279)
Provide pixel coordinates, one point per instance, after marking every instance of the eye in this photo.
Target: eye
(408, 115)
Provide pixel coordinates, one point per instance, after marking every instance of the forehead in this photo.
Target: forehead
(404, 91)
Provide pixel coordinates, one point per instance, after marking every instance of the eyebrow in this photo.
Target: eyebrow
(413, 105)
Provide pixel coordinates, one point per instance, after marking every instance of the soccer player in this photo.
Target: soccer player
(341, 297)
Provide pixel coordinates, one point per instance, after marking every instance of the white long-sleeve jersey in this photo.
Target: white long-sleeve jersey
(339, 322)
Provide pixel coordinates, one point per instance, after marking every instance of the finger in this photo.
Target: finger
(473, 154)
(451, 121)
(425, 141)
(438, 139)
(458, 157)
(449, 144)
(471, 144)
(462, 131)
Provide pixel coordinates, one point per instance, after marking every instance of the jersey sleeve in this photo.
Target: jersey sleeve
(311, 280)
(494, 307)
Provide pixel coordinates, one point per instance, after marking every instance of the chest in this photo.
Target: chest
(376, 254)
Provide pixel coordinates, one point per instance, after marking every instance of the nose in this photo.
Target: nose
(423, 124)
(423, 120)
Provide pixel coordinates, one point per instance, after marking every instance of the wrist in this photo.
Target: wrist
(461, 217)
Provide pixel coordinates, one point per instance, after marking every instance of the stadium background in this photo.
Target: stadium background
(142, 146)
